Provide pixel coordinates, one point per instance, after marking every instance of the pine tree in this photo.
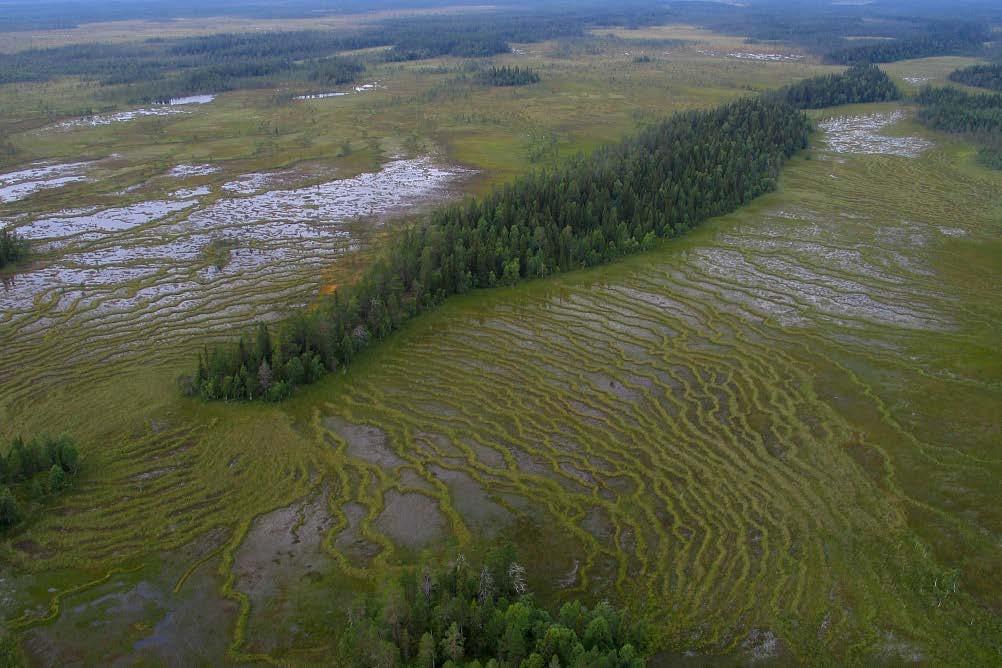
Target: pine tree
(264, 376)
(262, 347)
(57, 478)
(10, 512)
(452, 643)
(485, 591)
(426, 651)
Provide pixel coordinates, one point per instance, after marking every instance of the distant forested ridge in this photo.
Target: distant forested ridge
(509, 76)
(942, 39)
(12, 248)
(981, 76)
(616, 201)
(978, 116)
(858, 84)
(461, 614)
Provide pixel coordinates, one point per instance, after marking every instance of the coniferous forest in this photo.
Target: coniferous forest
(620, 199)
(38, 468)
(981, 76)
(943, 38)
(977, 115)
(461, 614)
(510, 76)
(858, 84)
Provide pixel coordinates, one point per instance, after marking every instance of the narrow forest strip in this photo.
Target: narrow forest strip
(509, 76)
(616, 201)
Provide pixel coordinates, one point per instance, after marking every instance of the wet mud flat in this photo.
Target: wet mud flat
(168, 612)
(20, 184)
(282, 567)
(428, 488)
(173, 107)
(862, 134)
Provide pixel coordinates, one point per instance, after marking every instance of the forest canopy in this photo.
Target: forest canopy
(858, 84)
(509, 76)
(977, 116)
(31, 471)
(941, 39)
(463, 614)
(980, 76)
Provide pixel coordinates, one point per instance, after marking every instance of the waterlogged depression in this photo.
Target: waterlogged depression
(17, 185)
(206, 256)
(169, 109)
(862, 134)
(364, 88)
(746, 55)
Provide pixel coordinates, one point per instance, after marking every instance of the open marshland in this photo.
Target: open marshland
(775, 438)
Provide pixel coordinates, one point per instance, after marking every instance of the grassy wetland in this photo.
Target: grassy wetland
(775, 438)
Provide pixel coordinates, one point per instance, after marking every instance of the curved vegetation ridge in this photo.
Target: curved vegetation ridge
(660, 183)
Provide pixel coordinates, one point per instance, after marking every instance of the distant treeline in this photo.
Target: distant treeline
(858, 84)
(36, 469)
(981, 76)
(12, 247)
(942, 39)
(851, 33)
(472, 36)
(977, 115)
(667, 179)
(159, 69)
(509, 76)
(461, 614)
